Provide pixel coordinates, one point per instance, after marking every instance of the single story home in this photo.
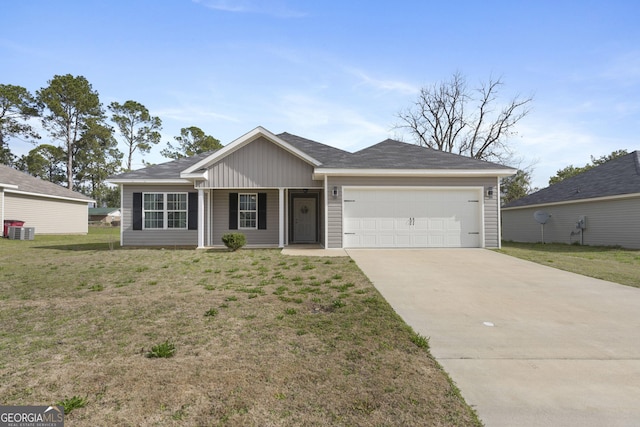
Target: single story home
(104, 215)
(283, 189)
(598, 207)
(43, 205)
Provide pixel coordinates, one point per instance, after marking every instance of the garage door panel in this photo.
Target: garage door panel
(402, 217)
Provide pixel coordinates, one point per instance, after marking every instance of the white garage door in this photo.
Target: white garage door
(412, 218)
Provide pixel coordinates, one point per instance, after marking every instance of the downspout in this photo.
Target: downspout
(200, 218)
(499, 207)
(122, 214)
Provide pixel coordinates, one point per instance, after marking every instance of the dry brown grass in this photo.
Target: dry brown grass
(289, 340)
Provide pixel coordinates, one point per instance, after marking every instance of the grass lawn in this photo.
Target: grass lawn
(607, 263)
(257, 339)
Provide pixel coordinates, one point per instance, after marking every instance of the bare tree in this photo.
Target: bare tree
(449, 116)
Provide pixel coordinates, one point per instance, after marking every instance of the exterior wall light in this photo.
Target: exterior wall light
(335, 192)
(490, 191)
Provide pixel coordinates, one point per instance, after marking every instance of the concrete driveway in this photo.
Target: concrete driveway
(527, 345)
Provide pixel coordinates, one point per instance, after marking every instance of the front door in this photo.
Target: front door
(304, 220)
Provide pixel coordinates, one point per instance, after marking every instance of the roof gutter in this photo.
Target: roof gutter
(573, 202)
(319, 173)
(50, 196)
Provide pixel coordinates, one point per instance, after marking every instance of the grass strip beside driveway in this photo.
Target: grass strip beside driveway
(200, 338)
(607, 263)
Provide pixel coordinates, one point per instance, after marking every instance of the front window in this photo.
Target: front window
(164, 211)
(248, 211)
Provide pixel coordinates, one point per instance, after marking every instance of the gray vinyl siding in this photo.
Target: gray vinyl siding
(334, 205)
(261, 164)
(47, 215)
(609, 223)
(268, 237)
(131, 237)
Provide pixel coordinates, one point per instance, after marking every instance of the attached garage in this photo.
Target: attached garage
(424, 217)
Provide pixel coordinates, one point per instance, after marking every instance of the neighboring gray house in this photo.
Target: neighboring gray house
(104, 215)
(284, 189)
(48, 207)
(598, 207)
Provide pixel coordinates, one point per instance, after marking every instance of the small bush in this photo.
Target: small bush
(234, 241)
(163, 350)
(72, 403)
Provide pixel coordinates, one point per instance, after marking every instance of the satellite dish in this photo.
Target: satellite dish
(541, 217)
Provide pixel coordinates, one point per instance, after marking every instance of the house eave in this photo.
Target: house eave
(150, 181)
(8, 186)
(244, 140)
(319, 173)
(573, 202)
(200, 175)
(49, 196)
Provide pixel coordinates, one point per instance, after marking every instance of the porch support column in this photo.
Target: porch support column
(200, 218)
(281, 222)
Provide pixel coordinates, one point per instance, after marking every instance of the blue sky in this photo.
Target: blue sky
(339, 71)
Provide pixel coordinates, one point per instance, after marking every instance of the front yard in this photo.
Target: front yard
(260, 339)
(607, 263)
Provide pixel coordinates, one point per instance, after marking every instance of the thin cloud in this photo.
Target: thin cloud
(272, 8)
(384, 85)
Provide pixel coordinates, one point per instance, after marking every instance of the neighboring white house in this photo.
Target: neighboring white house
(48, 207)
(599, 207)
(284, 189)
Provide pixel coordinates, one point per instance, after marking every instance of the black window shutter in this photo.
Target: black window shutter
(192, 215)
(262, 211)
(233, 211)
(137, 211)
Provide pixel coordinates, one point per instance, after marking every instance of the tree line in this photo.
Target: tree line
(82, 148)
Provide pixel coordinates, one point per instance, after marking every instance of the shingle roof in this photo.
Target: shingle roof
(30, 184)
(616, 177)
(167, 170)
(321, 152)
(102, 211)
(389, 154)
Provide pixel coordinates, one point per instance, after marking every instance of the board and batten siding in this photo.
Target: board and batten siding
(614, 222)
(261, 164)
(131, 237)
(334, 205)
(267, 237)
(47, 215)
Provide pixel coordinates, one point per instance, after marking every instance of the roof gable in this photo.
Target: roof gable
(616, 177)
(241, 142)
(21, 182)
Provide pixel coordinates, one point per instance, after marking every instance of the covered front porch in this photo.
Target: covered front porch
(268, 217)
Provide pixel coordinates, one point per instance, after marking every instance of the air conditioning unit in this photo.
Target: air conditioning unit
(21, 233)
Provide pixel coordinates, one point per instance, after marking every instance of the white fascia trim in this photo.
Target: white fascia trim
(244, 140)
(195, 175)
(320, 172)
(261, 188)
(8, 186)
(49, 196)
(150, 181)
(573, 202)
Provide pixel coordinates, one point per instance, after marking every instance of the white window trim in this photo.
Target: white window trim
(245, 210)
(165, 211)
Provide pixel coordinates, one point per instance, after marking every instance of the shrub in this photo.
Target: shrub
(234, 241)
(163, 350)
